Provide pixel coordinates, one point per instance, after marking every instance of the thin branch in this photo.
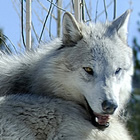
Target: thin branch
(87, 13)
(35, 32)
(105, 10)
(56, 6)
(22, 33)
(83, 10)
(96, 10)
(45, 21)
(97, 16)
(68, 5)
(115, 5)
(2, 52)
(14, 5)
(50, 35)
(72, 4)
(7, 48)
(38, 17)
(46, 9)
(10, 42)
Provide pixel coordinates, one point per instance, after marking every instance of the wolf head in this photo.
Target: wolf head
(93, 66)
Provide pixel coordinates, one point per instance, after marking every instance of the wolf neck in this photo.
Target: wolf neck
(53, 86)
(41, 75)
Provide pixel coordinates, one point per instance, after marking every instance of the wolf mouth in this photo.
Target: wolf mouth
(101, 121)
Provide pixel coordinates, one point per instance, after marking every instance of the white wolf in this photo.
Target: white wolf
(71, 89)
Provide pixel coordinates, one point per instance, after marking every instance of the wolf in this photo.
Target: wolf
(73, 88)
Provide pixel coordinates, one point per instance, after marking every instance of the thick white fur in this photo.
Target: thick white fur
(43, 92)
(31, 117)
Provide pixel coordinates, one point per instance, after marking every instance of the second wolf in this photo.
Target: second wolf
(73, 90)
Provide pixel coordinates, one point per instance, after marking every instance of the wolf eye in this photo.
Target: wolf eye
(118, 71)
(88, 70)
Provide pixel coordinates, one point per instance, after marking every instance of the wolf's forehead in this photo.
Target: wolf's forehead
(102, 54)
(94, 31)
(103, 48)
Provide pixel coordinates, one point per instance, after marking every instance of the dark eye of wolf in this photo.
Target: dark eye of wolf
(88, 70)
(118, 71)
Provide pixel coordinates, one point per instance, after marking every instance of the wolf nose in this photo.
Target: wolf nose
(109, 106)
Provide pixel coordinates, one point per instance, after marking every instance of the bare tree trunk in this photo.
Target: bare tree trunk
(28, 24)
(59, 4)
(77, 10)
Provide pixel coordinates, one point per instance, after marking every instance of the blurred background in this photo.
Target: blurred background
(24, 24)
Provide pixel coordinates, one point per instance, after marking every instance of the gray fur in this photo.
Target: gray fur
(36, 118)
(55, 90)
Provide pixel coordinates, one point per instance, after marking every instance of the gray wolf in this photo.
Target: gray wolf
(74, 88)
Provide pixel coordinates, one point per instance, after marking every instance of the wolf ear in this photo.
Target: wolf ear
(121, 25)
(71, 30)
